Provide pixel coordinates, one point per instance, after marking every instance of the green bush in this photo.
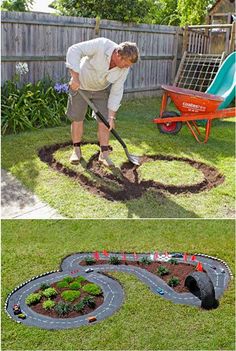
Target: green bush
(92, 289)
(80, 279)
(70, 295)
(48, 304)
(90, 260)
(68, 279)
(162, 271)
(75, 285)
(63, 308)
(114, 260)
(79, 306)
(50, 292)
(145, 260)
(174, 281)
(31, 106)
(44, 286)
(33, 298)
(62, 284)
(89, 301)
(173, 261)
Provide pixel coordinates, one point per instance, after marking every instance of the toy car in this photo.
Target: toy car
(213, 267)
(222, 270)
(177, 255)
(160, 291)
(16, 309)
(88, 270)
(21, 316)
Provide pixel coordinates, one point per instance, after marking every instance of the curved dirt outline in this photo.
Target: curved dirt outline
(132, 188)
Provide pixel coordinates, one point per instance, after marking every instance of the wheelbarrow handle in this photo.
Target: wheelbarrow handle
(102, 118)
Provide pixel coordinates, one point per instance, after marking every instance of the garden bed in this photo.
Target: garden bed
(95, 300)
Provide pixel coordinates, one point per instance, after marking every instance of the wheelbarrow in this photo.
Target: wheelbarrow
(193, 107)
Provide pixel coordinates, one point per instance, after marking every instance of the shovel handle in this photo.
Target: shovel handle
(102, 118)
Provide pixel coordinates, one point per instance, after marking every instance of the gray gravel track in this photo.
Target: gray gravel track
(112, 290)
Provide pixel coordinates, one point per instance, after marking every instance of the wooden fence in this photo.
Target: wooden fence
(42, 41)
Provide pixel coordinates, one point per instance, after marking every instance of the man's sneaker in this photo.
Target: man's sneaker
(105, 160)
(76, 155)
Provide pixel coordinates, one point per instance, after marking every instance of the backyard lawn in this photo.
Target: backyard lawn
(145, 321)
(91, 190)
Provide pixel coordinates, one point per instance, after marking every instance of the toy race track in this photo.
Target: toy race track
(128, 184)
(206, 284)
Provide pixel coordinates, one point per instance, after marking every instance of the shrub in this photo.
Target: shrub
(89, 301)
(79, 306)
(70, 295)
(68, 279)
(50, 292)
(174, 281)
(145, 260)
(89, 260)
(44, 286)
(173, 261)
(63, 308)
(62, 284)
(114, 260)
(75, 285)
(92, 289)
(80, 279)
(33, 298)
(162, 271)
(48, 304)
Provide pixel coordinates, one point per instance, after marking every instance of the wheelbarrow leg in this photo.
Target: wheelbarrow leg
(163, 103)
(196, 131)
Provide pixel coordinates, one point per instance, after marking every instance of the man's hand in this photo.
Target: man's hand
(74, 84)
(112, 123)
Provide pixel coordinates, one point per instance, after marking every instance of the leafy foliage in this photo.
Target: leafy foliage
(162, 271)
(92, 289)
(114, 260)
(33, 298)
(75, 285)
(79, 306)
(50, 292)
(48, 304)
(63, 308)
(89, 301)
(174, 281)
(80, 279)
(68, 279)
(192, 11)
(62, 284)
(173, 261)
(17, 5)
(90, 260)
(44, 286)
(145, 260)
(70, 295)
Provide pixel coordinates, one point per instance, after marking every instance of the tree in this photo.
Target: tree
(17, 5)
(193, 11)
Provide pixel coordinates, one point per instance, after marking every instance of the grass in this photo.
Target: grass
(145, 321)
(19, 156)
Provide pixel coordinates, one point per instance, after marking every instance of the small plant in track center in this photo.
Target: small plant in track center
(33, 298)
(70, 295)
(48, 304)
(174, 281)
(44, 286)
(145, 260)
(173, 261)
(90, 260)
(75, 285)
(68, 279)
(79, 306)
(50, 292)
(89, 301)
(63, 308)
(92, 289)
(62, 284)
(162, 271)
(80, 279)
(114, 260)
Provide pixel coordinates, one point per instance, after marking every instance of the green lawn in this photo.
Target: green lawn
(19, 156)
(145, 321)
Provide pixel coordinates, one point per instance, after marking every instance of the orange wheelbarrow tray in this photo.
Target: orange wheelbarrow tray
(193, 106)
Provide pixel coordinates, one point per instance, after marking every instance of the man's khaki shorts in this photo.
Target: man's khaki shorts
(77, 107)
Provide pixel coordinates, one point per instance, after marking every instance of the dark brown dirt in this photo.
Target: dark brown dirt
(129, 184)
(39, 307)
(181, 271)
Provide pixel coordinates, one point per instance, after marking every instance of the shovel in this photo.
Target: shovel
(132, 158)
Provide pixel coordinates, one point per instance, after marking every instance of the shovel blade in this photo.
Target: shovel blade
(133, 159)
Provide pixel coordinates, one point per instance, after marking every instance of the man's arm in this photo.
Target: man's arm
(74, 81)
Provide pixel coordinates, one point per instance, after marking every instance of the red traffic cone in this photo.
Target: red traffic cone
(124, 257)
(96, 256)
(156, 256)
(199, 267)
(193, 258)
(105, 253)
(185, 257)
(135, 256)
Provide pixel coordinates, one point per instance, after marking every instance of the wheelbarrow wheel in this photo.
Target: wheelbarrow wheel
(169, 128)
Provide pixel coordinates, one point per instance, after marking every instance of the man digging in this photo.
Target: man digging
(99, 67)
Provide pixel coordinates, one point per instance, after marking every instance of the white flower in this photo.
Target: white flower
(22, 68)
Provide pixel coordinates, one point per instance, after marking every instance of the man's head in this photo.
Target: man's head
(126, 54)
